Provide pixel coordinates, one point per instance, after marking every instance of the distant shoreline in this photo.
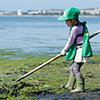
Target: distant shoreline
(45, 16)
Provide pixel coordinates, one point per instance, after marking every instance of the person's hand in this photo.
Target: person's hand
(63, 52)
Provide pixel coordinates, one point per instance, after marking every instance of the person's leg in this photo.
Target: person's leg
(79, 78)
(71, 69)
(76, 70)
(72, 79)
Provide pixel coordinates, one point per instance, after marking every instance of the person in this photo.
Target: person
(78, 48)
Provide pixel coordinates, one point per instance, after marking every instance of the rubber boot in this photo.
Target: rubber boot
(71, 83)
(80, 85)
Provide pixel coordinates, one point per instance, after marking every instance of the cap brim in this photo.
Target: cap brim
(62, 18)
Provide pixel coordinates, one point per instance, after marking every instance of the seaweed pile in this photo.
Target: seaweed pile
(46, 95)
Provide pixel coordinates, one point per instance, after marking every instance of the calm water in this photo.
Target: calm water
(40, 35)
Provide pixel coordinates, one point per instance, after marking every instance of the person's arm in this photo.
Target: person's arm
(70, 41)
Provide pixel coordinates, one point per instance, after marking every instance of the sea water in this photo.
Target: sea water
(37, 36)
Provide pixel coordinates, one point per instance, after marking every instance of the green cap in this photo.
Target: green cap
(69, 13)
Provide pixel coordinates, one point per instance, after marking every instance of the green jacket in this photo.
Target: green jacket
(86, 47)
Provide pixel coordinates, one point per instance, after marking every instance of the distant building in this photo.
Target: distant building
(44, 11)
(19, 12)
(90, 12)
(1, 13)
(55, 12)
(6, 13)
(31, 12)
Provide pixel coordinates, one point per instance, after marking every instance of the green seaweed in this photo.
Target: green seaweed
(44, 81)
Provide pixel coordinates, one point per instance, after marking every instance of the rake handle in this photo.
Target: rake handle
(94, 34)
(37, 68)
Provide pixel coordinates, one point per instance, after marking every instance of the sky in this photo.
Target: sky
(14, 5)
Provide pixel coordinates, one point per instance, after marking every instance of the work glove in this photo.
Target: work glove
(63, 52)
